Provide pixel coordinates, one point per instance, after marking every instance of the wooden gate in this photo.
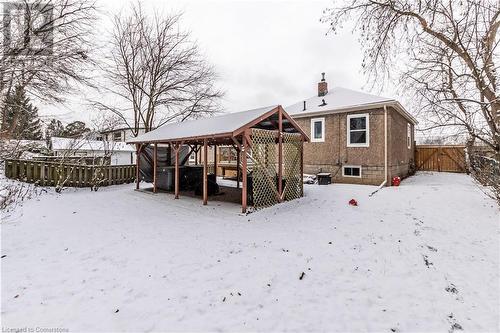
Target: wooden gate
(446, 158)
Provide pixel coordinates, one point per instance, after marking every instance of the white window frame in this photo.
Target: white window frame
(358, 115)
(408, 136)
(115, 134)
(313, 121)
(352, 166)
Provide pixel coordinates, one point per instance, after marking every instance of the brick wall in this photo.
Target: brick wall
(399, 155)
(330, 155)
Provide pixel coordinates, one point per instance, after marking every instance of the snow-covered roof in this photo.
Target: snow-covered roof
(223, 124)
(340, 99)
(88, 145)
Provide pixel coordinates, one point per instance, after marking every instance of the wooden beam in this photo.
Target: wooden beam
(205, 172)
(137, 165)
(237, 168)
(280, 155)
(294, 124)
(155, 166)
(215, 161)
(196, 154)
(254, 122)
(186, 158)
(302, 167)
(237, 144)
(244, 175)
(176, 150)
(248, 138)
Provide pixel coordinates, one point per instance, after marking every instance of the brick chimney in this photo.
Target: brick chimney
(322, 86)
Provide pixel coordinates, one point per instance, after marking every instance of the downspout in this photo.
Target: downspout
(385, 145)
(385, 153)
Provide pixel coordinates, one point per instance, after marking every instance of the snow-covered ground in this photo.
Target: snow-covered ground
(420, 257)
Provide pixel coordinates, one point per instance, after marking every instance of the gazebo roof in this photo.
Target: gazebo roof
(220, 128)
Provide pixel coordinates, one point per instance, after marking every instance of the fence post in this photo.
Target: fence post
(42, 173)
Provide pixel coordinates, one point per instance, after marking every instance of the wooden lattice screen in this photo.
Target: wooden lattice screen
(265, 166)
(292, 171)
(264, 177)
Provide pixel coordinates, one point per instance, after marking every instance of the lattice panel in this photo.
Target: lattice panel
(264, 157)
(292, 159)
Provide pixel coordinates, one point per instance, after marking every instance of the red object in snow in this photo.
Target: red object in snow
(353, 202)
(396, 181)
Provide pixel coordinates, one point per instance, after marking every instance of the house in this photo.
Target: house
(117, 153)
(355, 136)
(120, 134)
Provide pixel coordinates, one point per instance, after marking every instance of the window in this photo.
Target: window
(408, 136)
(117, 136)
(358, 130)
(351, 171)
(318, 130)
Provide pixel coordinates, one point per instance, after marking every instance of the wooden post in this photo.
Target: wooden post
(195, 154)
(237, 168)
(137, 165)
(169, 154)
(302, 167)
(155, 166)
(42, 173)
(205, 172)
(280, 156)
(176, 149)
(215, 162)
(244, 175)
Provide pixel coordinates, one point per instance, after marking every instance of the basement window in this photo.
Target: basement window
(358, 130)
(318, 130)
(351, 171)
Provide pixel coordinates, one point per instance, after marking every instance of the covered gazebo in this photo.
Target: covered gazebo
(268, 137)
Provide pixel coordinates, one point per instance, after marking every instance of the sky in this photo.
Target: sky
(265, 52)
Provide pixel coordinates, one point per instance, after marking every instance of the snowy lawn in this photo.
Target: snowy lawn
(420, 257)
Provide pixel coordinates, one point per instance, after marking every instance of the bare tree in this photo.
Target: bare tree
(46, 46)
(445, 52)
(156, 72)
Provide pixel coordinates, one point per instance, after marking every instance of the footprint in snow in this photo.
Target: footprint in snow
(454, 325)
(433, 249)
(426, 261)
(451, 289)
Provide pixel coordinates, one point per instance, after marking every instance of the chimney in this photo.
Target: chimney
(304, 106)
(322, 86)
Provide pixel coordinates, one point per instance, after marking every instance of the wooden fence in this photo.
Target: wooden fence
(72, 175)
(446, 158)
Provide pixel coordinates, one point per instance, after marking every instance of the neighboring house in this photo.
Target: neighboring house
(121, 134)
(118, 153)
(357, 137)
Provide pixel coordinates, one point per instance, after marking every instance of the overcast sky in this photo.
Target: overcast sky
(265, 52)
